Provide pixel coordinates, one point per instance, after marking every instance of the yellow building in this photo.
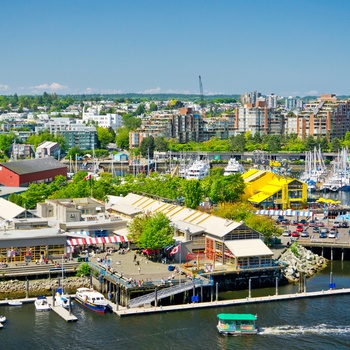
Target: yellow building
(265, 189)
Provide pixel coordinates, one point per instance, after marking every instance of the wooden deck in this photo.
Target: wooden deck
(62, 312)
(122, 311)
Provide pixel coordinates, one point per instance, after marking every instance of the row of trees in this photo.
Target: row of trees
(224, 190)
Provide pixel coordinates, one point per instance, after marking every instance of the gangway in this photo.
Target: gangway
(167, 292)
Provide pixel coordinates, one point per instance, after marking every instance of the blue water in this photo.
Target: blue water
(319, 323)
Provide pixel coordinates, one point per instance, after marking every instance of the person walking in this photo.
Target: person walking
(139, 270)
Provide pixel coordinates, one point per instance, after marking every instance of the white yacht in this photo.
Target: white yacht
(198, 170)
(233, 167)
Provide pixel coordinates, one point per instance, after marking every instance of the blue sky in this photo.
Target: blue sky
(295, 47)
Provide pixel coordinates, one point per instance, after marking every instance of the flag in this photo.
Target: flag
(88, 177)
(175, 250)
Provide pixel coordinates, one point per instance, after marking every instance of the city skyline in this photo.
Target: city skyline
(293, 48)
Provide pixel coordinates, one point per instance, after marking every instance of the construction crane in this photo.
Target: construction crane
(201, 92)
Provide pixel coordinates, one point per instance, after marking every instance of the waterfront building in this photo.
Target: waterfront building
(266, 189)
(25, 172)
(216, 238)
(326, 117)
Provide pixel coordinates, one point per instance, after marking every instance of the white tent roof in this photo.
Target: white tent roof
(248, 247)
(9, 210)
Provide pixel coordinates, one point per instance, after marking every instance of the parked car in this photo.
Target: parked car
(285, 222)
(336, 224)
(312, 223)
(286, 233)
(304, 234)
(344, 224)
(332, 234)
(316, 229)
(319, 224)
(324, 230)
(295, 234)
(323, 235)
(303, 222)
(300, 228)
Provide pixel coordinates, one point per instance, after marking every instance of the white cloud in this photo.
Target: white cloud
(156, 90)
(311, 93)
(49, 87)
(111, 91)
(89, 90)
(4, 87)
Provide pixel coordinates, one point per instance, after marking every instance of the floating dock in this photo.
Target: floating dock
(122, 311)
(62, 312)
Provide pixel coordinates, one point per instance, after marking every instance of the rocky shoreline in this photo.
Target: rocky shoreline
(299, 259)
(14, 289)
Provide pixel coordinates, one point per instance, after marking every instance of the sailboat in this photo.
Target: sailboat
(62, 299)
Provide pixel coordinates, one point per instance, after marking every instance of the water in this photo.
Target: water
(319, 323)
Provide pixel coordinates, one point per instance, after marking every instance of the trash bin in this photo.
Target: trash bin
(86, 259)
(171, 268)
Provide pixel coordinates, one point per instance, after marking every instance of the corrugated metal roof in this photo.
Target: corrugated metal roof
(259, 197)
(22, 167)
(248, 247)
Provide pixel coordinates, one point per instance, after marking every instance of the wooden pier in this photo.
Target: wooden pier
(62, 312)
(122, 311)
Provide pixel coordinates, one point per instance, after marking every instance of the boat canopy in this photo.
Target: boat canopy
(237, 317)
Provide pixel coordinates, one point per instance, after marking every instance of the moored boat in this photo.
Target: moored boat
(2, 319)
(91, 299)
(233, 167)
(41, 304)
(14, 303)
(237, 324)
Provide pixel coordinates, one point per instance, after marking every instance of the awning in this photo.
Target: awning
(289, 212)
(77, 241)
(114, 239)
(97, 240)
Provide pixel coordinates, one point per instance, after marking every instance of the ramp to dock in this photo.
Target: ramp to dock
(167, 292)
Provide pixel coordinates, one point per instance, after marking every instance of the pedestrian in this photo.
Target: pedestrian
(109, 295)
(135, 257)
(139, 270)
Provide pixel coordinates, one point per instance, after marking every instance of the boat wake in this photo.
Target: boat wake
(297, 330)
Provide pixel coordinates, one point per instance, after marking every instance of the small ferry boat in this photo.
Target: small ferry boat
(41, 304)
(237, 324)
(91, 299)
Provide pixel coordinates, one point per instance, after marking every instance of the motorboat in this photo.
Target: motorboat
(2, 319)
(14, 303)
(41, 304)
(92, 299)
(62, 299)
(233, 167)
(237, 324)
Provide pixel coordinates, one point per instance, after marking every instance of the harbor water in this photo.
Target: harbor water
(315, 323)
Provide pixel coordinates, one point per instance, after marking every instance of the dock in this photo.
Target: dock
(123, 311)
(62, 312)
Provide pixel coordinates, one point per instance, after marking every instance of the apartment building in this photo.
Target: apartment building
(326, 117)
(259, 119)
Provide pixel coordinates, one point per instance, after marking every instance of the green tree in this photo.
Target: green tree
(227, 188)
(104, 136)
(140, 109)
(161, 144)
(147, 146)
(151, 231)
(237, 143)
(153, 107)
(335, 145)
(130, 122)
(122, 138)
(193, 193)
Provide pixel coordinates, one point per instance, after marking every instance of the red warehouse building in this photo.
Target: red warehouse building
(25, 172)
